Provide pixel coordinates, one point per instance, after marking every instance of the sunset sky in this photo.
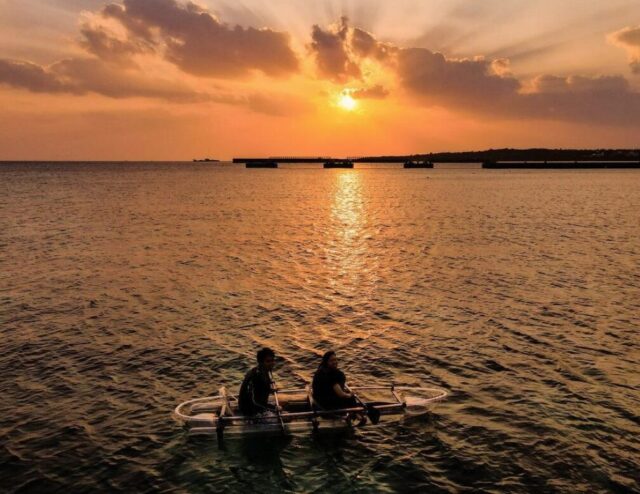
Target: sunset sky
(167, 79)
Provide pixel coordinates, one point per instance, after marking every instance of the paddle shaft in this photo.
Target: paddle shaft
(275, 397)
(356, 397)
(372, 413)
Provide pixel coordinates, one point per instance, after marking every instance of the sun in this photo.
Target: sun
(346, 102)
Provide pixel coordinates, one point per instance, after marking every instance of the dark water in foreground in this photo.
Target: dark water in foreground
(126, 289)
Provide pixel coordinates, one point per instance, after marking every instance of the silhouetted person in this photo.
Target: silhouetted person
(329, 385)
(257, 385)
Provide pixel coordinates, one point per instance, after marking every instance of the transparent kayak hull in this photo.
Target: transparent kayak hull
(219, 415)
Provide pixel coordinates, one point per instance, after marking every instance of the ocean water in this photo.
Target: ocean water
(126, 288)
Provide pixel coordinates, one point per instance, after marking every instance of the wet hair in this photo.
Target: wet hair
(264, 353)
(324, 364)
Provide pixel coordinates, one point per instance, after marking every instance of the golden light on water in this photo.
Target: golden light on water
(348, 206)
(347, 246)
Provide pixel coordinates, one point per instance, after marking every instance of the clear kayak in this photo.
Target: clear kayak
(299, 413)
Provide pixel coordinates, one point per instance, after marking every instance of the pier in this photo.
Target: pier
(285, 159)
(498, 159)
(261, 164)
(560, 165)
(418, 164)
(338, 164)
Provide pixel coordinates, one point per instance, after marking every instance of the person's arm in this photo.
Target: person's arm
(261, 406)
(337, 389)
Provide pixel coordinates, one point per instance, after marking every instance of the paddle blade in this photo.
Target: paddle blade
(374, 415)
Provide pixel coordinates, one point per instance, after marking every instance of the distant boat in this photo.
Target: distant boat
(206, 160)
(261, 164)
(418, 164)
(339, 164)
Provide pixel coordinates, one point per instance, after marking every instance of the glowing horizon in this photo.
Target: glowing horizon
(167, 79)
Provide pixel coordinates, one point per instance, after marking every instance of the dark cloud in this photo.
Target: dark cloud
(331, 51)
(81, 76)
(91, 75)
(374, 92)
(549, 84)
(605, 99)
(629, 39)
(474, 86)
(198, 43)
(30, 76)
(186, 34)
(135, 26)
(436, 80)
(99, 42)
(365, 45)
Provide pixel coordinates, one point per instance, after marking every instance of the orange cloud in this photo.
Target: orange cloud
(486, 87)
(30, 76)
(374, 92)
(366, 46)
(127, 38)
(84, 75)
(186, 35)
(474, 86)
(99, 42)
(629, 39)
(436, 80)
(198, 43)
(604, 99)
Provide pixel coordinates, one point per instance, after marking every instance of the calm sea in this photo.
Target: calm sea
(126, 288)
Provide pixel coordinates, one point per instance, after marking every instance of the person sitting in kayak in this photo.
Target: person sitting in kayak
(257, 385)
(329, 385)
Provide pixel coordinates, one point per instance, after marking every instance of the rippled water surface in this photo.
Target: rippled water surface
(128, 288)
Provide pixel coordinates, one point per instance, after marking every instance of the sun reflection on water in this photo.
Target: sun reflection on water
(347, 208)
(347, 249)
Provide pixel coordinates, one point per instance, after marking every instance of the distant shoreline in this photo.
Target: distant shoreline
(506, 156)
(486, 156)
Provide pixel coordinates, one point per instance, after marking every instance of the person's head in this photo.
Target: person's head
(329, 360)
(266, 358)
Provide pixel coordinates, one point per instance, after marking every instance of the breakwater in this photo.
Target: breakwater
(560, 165)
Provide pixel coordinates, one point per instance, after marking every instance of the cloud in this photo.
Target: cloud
(629, 39)
(80, 76)
(120, 37)
(487, 86)
(90, 75)
(604, 99)
(330, 48)
(365, 45)
(125, 36)
(468, 84)
(30, 76)
(198, 43)
(548, 84)
(137, 27)
(99, 42)
(374, 92)
(340, 51)
(474, 86)
(501, 67)
(102, 78)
